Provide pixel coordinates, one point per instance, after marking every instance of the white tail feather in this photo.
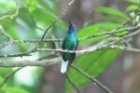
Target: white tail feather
(64, 66)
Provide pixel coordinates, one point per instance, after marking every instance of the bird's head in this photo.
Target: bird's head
(72, 28)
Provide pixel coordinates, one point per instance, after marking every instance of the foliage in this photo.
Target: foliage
(33, 18)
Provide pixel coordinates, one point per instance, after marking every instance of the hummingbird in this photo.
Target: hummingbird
(70, 43)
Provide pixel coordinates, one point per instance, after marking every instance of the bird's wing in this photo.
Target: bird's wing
(64, 44)
(72, 55)
(77, 44)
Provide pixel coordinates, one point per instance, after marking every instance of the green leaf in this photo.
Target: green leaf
(1, 79)
(93, 63)
(133, 1)
(132, 8)
(110, 18)
(96, 29)
(44, 17)
(121, 34)
(10, 30)
(49, 5)
(4, 71)
(14, 90)
(110, 11)
(7, 7)
(32, 5)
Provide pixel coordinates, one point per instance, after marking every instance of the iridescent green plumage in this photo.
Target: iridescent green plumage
(70, 43)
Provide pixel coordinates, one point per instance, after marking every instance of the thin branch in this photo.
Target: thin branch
(49, 28)
(125, 23)
(126, 36)
(8, 43)
(90, 49)
(61, 39)
(9, 76)
(112, 32)
(56, 19)
(129, 49)
(94, 80)
(105, 44)
(109, 33)
(72, 83)
(21, 63)
(102, 45)
(12, 73)
(34, 49)
(12, 15)
(4, 33)
(47, 62)
(18, 54)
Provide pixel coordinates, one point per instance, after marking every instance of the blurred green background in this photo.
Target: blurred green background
(28, 19)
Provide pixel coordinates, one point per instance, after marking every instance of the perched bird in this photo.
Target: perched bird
(70, 43)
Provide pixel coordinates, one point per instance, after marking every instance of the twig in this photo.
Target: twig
(12, 15)
(8, 43)
(95, 81)
(16, 54)
(56, 19)
(105, 44)
(72, 83)
(12, 73)
(125, 23)
(61, 39)
(101, 45)
(4, 33)
(34, 49)
(47, 62)
(21, 63)
(126, 36)
(9, 76)
(108, 33)
(129, 49)
(49, 28)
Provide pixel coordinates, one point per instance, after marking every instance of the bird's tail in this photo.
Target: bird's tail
(64, 66)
